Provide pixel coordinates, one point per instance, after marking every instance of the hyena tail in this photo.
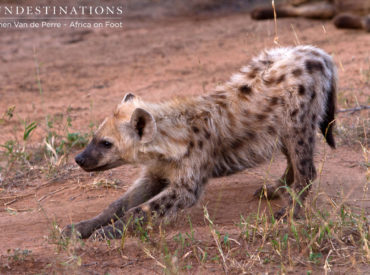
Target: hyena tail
(328, 120)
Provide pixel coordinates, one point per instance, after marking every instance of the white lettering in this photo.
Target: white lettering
(20, 25)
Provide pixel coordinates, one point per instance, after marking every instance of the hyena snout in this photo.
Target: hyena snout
(99, 156)
(80, 160)
(89, 158)
(85, 162)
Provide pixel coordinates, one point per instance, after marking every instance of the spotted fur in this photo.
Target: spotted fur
(274, 103)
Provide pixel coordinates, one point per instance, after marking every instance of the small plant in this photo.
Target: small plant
(141, 229)
(28, 129)
(124, 233)
(191, 235)
(216, 237)
(15, 152)
(59, 141)
(185, 240)
(77, 140)
(226, 241)
(8, 114)
(315, 257)
(18, 255)
(69, 249)
(180, 239)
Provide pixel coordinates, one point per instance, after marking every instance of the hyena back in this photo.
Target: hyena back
(274, 103)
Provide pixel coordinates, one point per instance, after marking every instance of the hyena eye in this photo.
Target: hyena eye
(107, 144)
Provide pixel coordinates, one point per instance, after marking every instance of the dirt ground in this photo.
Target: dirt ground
(89, 71)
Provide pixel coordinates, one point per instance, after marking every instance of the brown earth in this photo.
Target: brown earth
(90, 71)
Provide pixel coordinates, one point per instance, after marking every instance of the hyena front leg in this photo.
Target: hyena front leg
(142, 190)
(166, 203)
(274, 191)
(300, 152)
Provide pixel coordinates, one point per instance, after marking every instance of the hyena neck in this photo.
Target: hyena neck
(173, 120)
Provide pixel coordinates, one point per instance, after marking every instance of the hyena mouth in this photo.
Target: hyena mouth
(104, 167)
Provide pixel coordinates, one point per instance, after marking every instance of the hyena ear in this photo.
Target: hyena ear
(128, 97)
(144, 125)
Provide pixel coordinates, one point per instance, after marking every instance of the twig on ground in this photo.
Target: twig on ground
(16, 197)
(216, 238)
(51, 193)
(147, 252)
(356, 109)
(10, 202)
(16, 210)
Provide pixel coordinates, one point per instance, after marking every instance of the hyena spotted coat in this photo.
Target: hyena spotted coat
(274, 103)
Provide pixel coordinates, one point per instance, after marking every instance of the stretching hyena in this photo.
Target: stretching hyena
(276, 102)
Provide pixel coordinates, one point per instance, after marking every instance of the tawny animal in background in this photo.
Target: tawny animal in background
(347, 14)
(275, 103)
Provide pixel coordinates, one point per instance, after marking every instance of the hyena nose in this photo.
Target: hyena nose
(80, 160)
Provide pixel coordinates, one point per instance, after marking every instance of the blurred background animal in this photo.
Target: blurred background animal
(349, 14)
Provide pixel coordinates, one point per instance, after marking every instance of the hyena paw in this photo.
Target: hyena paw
(285, 212)
(70, 230)
(81, 230)
(107, 232)
(282, 213)
(271, 192)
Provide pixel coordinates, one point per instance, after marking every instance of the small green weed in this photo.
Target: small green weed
(18, 255)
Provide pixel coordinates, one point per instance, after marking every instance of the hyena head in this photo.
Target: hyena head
(119, 138)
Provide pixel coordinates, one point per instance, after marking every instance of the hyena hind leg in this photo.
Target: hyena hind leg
(165, 204)
(144, 189)
(303, 169)
(275, 191)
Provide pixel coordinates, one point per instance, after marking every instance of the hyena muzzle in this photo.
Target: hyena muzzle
(275, 103)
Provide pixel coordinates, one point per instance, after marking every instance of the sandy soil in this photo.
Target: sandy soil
(90, 71)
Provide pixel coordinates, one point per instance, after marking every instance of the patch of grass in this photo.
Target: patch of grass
(15, 152)
(18, 255)
(69, 249)
(59, 141)
(325, 236)
(17, 155)
(15, 257)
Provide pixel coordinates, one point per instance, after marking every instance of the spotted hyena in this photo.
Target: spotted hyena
(274, 103)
